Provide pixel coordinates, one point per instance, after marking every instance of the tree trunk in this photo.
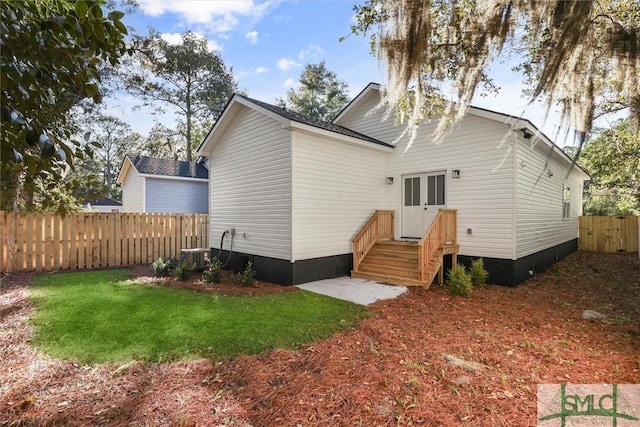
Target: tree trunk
(189, 115)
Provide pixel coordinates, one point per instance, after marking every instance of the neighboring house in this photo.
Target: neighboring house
(101, 204)
(163, 185)
(296, 191)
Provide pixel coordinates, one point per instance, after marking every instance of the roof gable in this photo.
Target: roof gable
(285, 117)
(169, 168)
(515, 122)
(371, 86)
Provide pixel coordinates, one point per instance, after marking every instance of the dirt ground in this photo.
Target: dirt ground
(390, 370)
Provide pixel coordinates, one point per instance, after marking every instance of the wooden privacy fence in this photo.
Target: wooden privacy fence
(47, 242)
(608, 233)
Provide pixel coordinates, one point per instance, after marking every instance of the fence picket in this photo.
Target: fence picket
(608, 233)
(47, 242)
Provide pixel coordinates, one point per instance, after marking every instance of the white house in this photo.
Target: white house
(163, 185)
(296, 191)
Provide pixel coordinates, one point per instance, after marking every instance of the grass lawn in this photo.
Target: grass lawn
(102, 317)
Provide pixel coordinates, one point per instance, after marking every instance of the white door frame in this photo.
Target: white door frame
(419, 207)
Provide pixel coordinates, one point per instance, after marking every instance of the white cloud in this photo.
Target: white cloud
(261, 70)
(252, 37)
(218, 16)
(176, 38)
(213, 46)
(291, 84)
(172, 38)
(311, 53)
(285, 64)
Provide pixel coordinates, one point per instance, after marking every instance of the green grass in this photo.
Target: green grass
(101, 317)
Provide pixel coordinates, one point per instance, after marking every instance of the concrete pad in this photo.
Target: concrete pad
(360, 291)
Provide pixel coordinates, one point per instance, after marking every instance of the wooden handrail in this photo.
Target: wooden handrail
(443, 229)
(379, 226)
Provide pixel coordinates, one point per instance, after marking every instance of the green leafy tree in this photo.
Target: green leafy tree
(612, 158)
(186, 76)
(320, 95)
(111, 139)
(52, 54)
(574, 53)
(163, 142)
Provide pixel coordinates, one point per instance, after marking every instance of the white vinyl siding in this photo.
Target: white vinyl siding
(336, 188)
(539, 211)
(176, 196)
(513, 210)
(361, 118)
(133, 192)
(250, 186)
(483, 195)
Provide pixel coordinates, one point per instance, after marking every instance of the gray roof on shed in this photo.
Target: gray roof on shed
(169, 167)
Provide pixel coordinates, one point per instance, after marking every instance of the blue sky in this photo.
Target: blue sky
(267, 43)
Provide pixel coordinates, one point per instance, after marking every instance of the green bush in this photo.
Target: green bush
(478, 273)
(183, 270)
(213, 272)
(247, 275)
(163, 266)
(459, 281)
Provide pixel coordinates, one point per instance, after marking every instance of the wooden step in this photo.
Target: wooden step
(391, 252)
(385, 278)
(398, 245)
(396, 262)
(391, 261)
(411, 273)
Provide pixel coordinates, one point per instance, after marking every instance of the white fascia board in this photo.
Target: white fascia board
(225, 119)
(175, 178)
(126, 164)
(356, 100)
(520, 123)
(291, 125)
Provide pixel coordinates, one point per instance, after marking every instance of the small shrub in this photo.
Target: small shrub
(247, 275)
(213, 272)
(163, 266)
(459, 281)
(478, 273)
(183, 270)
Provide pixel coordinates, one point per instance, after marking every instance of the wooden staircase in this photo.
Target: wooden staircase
(402, 262)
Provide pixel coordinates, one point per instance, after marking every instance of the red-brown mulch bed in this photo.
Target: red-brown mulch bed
(229, 285)
(388, 371)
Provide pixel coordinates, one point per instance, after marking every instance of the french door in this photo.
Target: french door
(423, 194)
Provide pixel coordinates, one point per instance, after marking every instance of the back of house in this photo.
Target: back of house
(294, 192)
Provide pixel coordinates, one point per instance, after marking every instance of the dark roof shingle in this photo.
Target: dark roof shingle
(169, 167)
(321, 124)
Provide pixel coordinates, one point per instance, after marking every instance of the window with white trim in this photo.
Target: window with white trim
(566, 202)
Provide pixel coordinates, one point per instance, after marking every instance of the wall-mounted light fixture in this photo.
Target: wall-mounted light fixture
(389, 180)
(549, 173)
(455, 173)
(526, 134)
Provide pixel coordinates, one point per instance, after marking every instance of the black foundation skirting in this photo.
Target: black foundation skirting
(284, 272)
(308, 270)
(508, 272)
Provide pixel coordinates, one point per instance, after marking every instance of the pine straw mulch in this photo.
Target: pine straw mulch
(388, 371)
